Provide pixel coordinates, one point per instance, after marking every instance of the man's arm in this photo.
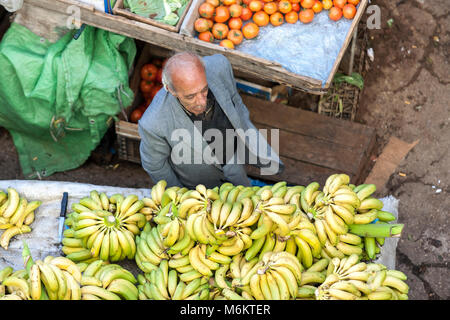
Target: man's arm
(155, 154)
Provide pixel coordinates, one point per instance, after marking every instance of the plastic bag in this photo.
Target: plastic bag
(305, 49)
(166, 11)
(12, 5)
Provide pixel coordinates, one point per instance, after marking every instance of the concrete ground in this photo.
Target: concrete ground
(406, 95)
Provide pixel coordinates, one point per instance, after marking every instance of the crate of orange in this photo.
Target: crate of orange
(145, 82)
(232, 23)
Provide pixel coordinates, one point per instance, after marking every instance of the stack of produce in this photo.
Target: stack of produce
(149, 85)
(105, 228)
(228, 22)
(228, 234)
(16, 215)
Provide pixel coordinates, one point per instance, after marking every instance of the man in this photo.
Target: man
(199, 98)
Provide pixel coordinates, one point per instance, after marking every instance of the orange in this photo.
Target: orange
(284, 6)
(206, 36)
(222, 14)
(214, 3)
(291, 17)
(206, 10)
(220, 31)
(235, 10)
(349, 11)
(235, 36)
(339, 3)
(228, 2)
(235, 23)
(250, 30)
(246, 14)
(201, 25)
(227, 44)
(306, 15)
(353, 2)
(261, 18)
(277, 19)
(317, 7)
(307, 4)
(270, 8)
(327, 4)
(255, 5)
(335, 13)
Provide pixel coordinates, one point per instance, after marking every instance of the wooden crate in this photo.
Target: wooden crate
(187, 29)
(245, 63)
(120, 10)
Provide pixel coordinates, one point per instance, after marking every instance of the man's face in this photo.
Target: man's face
(191, 89)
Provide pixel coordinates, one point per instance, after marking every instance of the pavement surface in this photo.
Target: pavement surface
(406, 96)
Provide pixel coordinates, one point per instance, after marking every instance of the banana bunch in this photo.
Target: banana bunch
(198, 200)
(103, 281)
(164, 284)
(350, 279)
(98, 232)
(150, 248)
(16, 215)
(276, 276)
(14, 285)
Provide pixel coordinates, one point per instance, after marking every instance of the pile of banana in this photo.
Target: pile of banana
(162, 284)
(54, 278)
(105, 228)
(16, 215)
(350, 279)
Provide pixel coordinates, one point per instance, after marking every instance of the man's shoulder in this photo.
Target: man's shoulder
(216, 63)
(155, 118)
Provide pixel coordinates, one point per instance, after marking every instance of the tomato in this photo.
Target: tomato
(295, 1)
(214, 3)
(206, 36)
(295, 7)
(291, 17)
(261, 18)
(222, 14)
(349, 11)
(284, 6)
(220, 31)
(270, 8)
(157, 62)
(235, 23)
(339, 3)
(307, 4)
(148, 72)
(201, 25)
(136, 115)
(235, 10)
(144, 105)
(317, 7)
(246, 14)
(250, 30)
(246, 3)
(277, 19)
(228, 2)
(353, 2)
(159, 75)
(335, 13)
(227, 44)
(306, 15)
(206, 10)
(255, 5)
(146, 86)
(327, 4)
(235, 36)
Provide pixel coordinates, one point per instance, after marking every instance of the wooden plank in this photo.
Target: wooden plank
(314, 151)
(348, 38)
(254, 66)
(308, 123)
(297, 173)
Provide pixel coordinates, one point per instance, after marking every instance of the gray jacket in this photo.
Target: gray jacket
(161, 143)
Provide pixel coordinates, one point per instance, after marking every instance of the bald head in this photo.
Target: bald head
(184, 77)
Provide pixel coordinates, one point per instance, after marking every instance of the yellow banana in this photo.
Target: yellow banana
(13, 203)
(348, 249)
(371, 203)
(196, 262)
(306, 253)
(396, 283)
(331, 235)
(20, 211)
(62, 284)
(19, 284)
(365, 218)
(35, 282)
(99, 292)
(68, 265)
(11, 232)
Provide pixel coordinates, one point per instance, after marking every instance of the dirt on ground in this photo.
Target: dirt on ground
(406, 95)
